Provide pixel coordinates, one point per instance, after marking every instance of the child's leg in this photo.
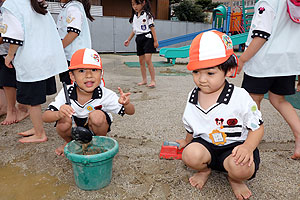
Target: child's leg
(148, 57)
(37, 132)
(289, 114)
(237, 174)
(257, 98)
(98, 123)
(11, 116)
(3, 103)
(143, 70)
(64, 128)
(197, 157)
(298, 84)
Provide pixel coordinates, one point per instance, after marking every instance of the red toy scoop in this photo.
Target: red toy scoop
(170, 150)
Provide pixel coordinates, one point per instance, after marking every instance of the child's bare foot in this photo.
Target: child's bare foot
(151, 85)
(27, 133)
(240, 189)
(199, 179)
(33, 138)
(142, 83)
(296, 155)
(60, 150)
(11, 117)
(22, 112)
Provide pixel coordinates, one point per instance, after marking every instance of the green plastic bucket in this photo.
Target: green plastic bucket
(92, 172)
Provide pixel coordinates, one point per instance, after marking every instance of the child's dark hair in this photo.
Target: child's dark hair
(39, 7)
(146, 8)
(87, 8)
(229, 64)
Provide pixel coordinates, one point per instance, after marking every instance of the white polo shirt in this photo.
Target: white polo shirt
(102, 99)
(142, 24)
(5, 46)
(280, 55)
(233, 114)
(72, 18)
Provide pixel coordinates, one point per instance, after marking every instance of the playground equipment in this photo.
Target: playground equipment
(235, 23)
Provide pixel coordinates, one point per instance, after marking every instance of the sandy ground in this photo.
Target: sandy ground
(138, 173)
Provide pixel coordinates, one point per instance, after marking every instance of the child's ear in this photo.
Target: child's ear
(232, 72)
(72, 76)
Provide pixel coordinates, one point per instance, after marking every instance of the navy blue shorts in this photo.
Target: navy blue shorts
(280, 85)
(220, 153)
(34, 93)
(7, 75)
(145, 43)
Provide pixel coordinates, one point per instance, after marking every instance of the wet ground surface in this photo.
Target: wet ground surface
(34, 171)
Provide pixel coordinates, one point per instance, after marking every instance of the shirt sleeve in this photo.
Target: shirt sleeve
(253, 118)
(150, 22)
(74, 19)
(262, 21)
(111, 103)
(58, 102)
(11, 29)
(186, 124)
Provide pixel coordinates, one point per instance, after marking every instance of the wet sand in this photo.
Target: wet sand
(138, 172)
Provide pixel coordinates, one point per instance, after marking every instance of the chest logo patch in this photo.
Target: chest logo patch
(261, 10)
(70, 19)
(217, 137)
(90, 108)
(143, 27)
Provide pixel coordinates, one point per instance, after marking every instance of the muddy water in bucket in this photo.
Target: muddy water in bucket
(92, 171)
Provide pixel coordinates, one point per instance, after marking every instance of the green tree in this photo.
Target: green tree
(207, 5)
(188, 11)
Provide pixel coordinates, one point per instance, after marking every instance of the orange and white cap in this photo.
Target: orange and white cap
(209, 49)
(85, 59)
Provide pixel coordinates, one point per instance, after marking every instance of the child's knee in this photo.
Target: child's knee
(97, 118)
(239, 171)
(195, 154)
(63, 125)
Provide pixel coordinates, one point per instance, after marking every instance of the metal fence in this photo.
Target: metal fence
(109, 33)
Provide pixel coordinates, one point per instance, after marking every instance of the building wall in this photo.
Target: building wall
(122, 8)
(235, 2)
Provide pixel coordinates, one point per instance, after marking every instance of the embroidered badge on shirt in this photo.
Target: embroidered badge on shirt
(261, 10)
(3, 28)
(217, 137)
(90, 108)
(143, 27)
(70, 19)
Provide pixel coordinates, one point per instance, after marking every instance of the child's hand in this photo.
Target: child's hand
(156, 44)
(126, 43)
(182, 143)
(8, 60)
(124, 98)
(65, 111)
(242, 155)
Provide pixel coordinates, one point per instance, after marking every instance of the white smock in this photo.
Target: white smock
(41, 56)
(280, 55)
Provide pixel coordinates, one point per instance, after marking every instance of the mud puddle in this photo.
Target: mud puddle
(16, 184)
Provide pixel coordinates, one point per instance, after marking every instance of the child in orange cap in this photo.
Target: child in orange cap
(223, 124)
(91, 102)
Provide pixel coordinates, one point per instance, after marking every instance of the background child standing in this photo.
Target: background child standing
(272, 58)
(36, 53)
(146, 40)
(223, 124)
(73, 28)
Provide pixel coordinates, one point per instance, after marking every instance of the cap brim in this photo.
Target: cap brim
(85, 66)
(206, 63)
